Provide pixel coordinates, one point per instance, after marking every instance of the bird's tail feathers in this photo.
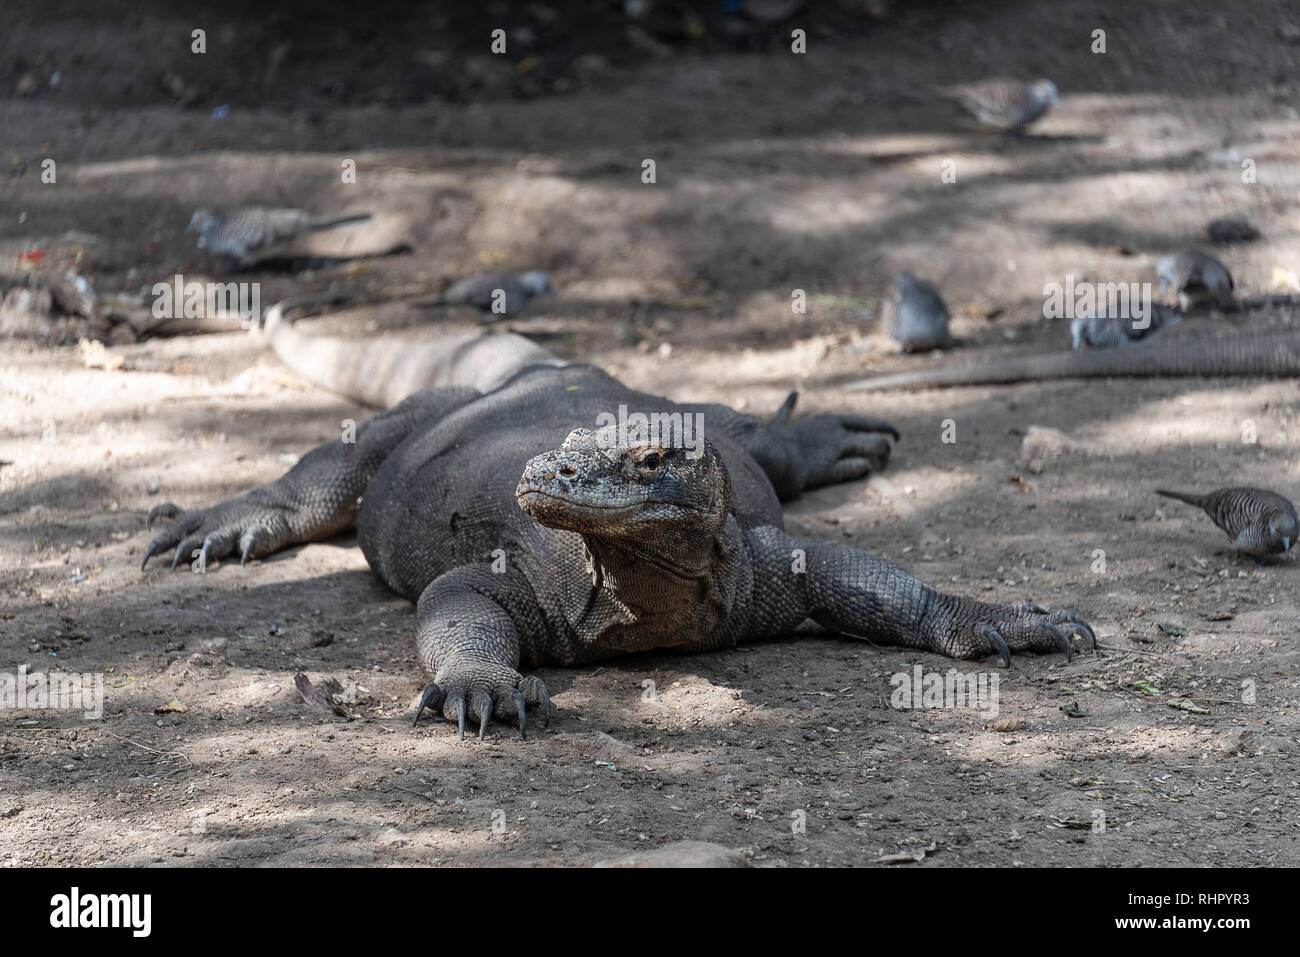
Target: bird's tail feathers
(326, 222)
(1191, 498)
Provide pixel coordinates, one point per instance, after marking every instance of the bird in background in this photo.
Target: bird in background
(1110, 332)
(1007, 105)
(915, 314)
(498, 295)
(1197, 278)
(254, 233)
(1259, 522)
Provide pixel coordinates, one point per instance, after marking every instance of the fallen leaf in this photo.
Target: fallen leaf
(1071, 823)
(1285, 279)
(315, 698)
(93, 355)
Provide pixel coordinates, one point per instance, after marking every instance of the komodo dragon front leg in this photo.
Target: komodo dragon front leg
(864, 595)
(469, 645)
(314, 500)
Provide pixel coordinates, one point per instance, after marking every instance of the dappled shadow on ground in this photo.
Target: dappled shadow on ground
(822, 173)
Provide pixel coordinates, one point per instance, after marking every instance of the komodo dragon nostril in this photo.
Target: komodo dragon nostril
(568, 471)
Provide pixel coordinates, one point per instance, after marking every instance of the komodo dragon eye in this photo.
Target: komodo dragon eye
(649, 459)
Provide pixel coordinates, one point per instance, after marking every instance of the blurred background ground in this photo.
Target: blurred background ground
(775, 171)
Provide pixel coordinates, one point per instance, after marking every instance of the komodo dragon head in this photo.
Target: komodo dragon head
(657, 499)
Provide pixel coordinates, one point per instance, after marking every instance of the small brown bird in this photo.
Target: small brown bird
(1258, 521)
(1197, 278)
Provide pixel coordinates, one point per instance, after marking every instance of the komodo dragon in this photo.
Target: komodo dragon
(1239, 354)
(523, 547)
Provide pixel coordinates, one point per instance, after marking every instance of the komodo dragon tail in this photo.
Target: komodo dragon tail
(1191, 498)
(382, 372)
(1242, 354)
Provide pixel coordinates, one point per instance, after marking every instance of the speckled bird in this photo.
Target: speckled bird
(258, 232)
(1197, 278)
(1006, 104)
(1259, 522)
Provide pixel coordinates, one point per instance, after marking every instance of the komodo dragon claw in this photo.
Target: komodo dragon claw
(434, 699)
(1063, 639)
(1022, 622)
(999, 643)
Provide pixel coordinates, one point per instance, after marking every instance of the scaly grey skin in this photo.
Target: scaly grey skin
(498, 295)
(255, 233)
(1007, 105)
(915, 315)
(1259, 522)
(608, 544)
(1239, 354)
(1110, 332)
(1197, 278)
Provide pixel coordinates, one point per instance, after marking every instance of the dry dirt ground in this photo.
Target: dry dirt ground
(775, 171)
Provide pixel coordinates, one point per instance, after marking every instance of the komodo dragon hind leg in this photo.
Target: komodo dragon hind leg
(807, 453)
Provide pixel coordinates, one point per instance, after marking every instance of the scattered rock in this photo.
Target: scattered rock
(908, 857)
(682, 854)
(1042, 446)
(94, 355)
(27, 313)
(1231, 231)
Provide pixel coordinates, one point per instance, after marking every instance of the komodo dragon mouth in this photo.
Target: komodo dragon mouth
(531, 494)
(533, 501)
